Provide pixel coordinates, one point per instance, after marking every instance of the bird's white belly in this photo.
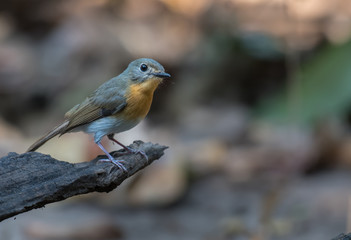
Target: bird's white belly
(107, 125)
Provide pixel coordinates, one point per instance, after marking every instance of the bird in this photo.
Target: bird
(116, 106)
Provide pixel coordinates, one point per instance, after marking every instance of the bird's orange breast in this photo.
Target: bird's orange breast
(139, 99)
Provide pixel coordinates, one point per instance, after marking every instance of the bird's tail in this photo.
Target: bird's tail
(54, 132)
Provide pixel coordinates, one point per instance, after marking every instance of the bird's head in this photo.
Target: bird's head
(146, 72)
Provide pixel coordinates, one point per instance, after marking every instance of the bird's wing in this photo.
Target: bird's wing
(94, 107)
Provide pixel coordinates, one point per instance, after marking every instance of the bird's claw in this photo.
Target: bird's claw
(118, 163)
(134, 151)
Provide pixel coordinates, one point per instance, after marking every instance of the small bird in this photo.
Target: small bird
(116, 106)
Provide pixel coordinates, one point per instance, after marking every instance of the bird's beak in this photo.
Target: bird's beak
(161, 74)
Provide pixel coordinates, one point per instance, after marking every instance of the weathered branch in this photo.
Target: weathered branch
(31, 180)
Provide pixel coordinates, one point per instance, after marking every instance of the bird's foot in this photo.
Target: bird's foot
(118, 163)
(128, 149)
(134, 151)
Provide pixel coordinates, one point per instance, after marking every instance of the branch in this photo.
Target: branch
(32, 180)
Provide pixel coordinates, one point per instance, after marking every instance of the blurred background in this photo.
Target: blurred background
(257, 115)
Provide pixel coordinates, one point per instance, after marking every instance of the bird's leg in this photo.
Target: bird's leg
(118, 163)
(110, 136)
(128, 149)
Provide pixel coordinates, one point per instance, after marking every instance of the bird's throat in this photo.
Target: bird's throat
(139, 99)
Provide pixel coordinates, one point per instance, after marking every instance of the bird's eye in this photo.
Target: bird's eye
(143, 67)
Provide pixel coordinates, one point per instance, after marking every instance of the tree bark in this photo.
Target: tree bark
(32, 180)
